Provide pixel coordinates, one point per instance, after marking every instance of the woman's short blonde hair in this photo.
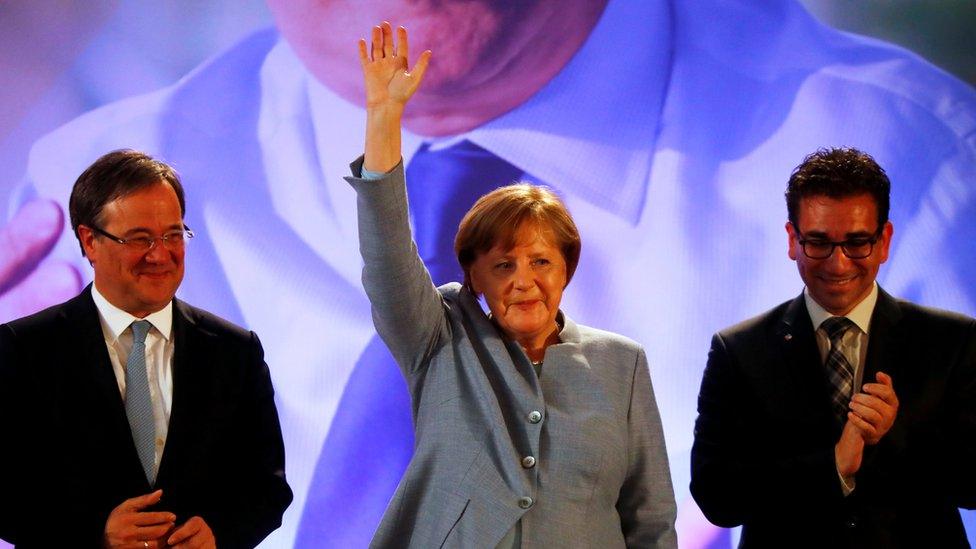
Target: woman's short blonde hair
(497, 216)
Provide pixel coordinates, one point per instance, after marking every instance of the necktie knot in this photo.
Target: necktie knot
(835, 327)
(139, 330)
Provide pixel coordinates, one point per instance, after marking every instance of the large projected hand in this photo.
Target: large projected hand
(27, 282)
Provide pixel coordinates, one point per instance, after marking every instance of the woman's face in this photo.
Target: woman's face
(523, 285)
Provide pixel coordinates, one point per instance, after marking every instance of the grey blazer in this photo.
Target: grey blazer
(599, 474)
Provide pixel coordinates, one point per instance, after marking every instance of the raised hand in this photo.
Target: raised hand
(389, 85)
(385, 69)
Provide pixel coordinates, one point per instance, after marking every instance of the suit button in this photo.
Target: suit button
(525, 502)
(528, 462)
(535, 416)
(851, 523)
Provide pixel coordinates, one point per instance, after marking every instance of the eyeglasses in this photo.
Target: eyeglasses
(854, 248)
(172, 240)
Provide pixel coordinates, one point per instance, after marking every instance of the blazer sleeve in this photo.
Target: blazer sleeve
(737, 470)
(254, 505)
(10, 477)
(408, 311)
(646, 504)
(961, 452)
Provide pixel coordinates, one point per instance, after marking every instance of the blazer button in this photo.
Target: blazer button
(525, 502)
(528, 462)
(535, 416)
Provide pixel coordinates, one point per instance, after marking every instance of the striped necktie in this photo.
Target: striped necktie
(138, 402)
(839, 368)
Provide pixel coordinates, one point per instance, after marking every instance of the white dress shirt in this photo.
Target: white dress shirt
(159, 357)
(853, 344)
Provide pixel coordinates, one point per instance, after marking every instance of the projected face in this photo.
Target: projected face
(489, 56)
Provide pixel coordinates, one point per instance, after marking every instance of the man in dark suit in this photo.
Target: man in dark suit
(129, 418)
(845, 417)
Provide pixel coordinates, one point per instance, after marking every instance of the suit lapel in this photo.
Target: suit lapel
(884, 343)
(186, 385)
(800, 351)
(94, 369)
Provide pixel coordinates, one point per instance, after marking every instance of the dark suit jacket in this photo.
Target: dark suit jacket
(67, 457)
(764, 438)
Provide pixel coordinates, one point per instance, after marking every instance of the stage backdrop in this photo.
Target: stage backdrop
(672, 149)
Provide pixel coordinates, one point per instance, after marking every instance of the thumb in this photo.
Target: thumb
(883, 379)
(420, 67)
(141, 502)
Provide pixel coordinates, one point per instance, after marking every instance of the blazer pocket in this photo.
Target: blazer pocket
(447, 525)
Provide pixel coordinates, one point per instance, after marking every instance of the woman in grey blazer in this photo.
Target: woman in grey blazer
(531, 430)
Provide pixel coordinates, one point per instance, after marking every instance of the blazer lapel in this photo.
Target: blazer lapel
(94, 369)
(800, 353)
(186, 386)
(884, 343)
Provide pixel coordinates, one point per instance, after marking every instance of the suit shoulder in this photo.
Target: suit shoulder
(595, 338)
(939, 320)
(42, 321)
(212, 324)
(758, 326)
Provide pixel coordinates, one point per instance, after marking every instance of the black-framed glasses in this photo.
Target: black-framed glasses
(853, 248)
(172, 240)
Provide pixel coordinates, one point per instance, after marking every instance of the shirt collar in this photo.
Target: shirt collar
(583, 133)
(859, 315)
(115, 320)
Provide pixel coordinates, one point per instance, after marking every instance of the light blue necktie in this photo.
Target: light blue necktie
(138, 402)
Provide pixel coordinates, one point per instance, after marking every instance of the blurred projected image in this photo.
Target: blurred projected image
(669, 129)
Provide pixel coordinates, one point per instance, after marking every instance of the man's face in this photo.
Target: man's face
(522, 286)
(838, 283)
(137, 281)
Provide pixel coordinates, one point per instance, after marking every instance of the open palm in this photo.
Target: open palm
(388, 80)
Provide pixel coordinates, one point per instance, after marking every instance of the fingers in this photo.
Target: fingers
(27, 239)
(403, 46)
(377, 43)
(884, 379)
(866, 429)
(195, 533)
(382, 44)
(189, 529)
(141, 502)
(363, 52)
(153, 519)
(387, 39)
(883, 389)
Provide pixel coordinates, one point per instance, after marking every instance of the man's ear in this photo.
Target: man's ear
(884, 241)
(793, 241)
(87, 238)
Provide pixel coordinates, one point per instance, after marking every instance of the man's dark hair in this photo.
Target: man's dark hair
(838, 173)
(113, 176)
